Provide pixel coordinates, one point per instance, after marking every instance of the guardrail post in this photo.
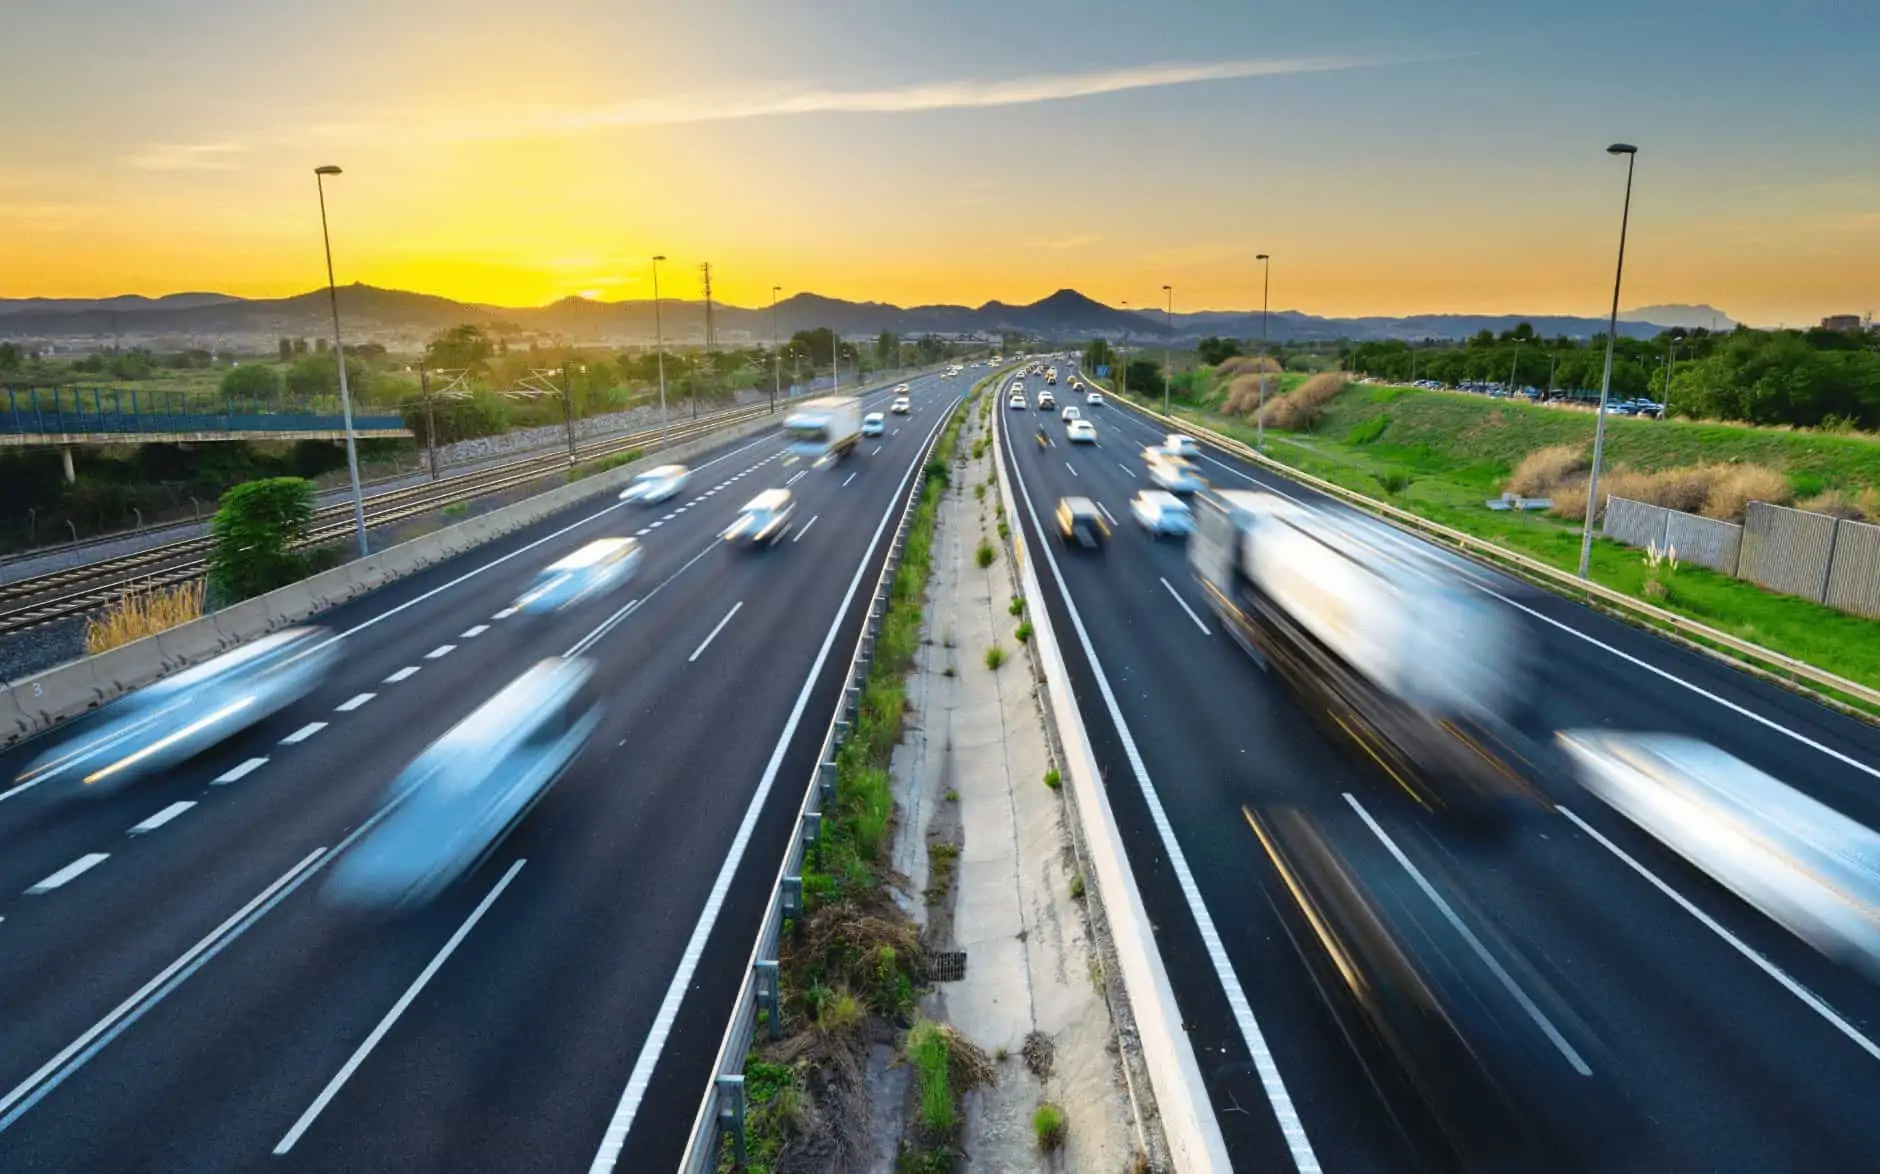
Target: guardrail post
(792, 896)
(812, 827)
(731, 1112)
(826, 779)
(770, 996)
(851, 701)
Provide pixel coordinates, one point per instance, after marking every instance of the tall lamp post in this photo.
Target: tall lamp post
(776, 356)
(1671, 363)
(1605, 383)
(659, 349)
(1266, 286)
(1122, 358)
(1514, 365)
(339, 357)
(1168, 363)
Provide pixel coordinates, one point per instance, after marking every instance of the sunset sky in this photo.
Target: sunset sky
(1395, 156)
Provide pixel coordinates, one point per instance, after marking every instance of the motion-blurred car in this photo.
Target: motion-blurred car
(900, 389)
(764, 519)
(1071, 412)
(1094, 399)
(468, 790)
(901, 405)
(873, 424)
(1046, 401)
(166, 723)
(1079, 523)
(1080, 432)
(1181, 446)
(595, 569)
(1162, 514)
(1173, 473)
(657, 484)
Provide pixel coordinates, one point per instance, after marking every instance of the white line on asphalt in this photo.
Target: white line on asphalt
(1468, 935)
(473, 631)
(877, 451)
(1126, 469)
(441, 650)
(655, 1041)
(409, 671)
(1071, 467)
(804, 530)
(613, 621)
(1109, 516)
(669, 517)
(1265, 1067)
(303, 733)
(1813, 1001)
(162, 817)
(849, 478)
(696, 652)
(79, 867)
(797, 476)
(404, 1001)
(656, 525)
(353, 702)
(1186, 608)
(505, 613)
(239, 773)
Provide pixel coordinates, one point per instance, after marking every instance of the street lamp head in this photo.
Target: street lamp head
(1167, 289)
(1261, 257)
(1622, 149)
(329, 169)
(661, 257)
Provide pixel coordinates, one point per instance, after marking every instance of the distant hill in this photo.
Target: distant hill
(399, 317)
(1690, 317)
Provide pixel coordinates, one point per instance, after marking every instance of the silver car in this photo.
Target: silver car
(163, 724)
(595, 569)
(468, 790)
(763, 520)
(657, 484)
(1173, 473)
(1161, 513)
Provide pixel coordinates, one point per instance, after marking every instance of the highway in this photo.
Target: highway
(1660, 1024)
(180, 997)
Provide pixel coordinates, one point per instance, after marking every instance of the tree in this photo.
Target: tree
(1215, 351)
(252, 381)
(287, 350)
(463, 347)
(1097, 353)
(319, 375)
(816, 345)
(1145, 376)
(9, 356)
(255, 532)
(887, 348)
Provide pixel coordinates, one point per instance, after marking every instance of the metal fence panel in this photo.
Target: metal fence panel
(1635, 523)
(1854, 572)
(1786, 550)
(1706, 542)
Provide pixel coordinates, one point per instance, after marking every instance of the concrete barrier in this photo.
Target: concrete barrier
(14, 724)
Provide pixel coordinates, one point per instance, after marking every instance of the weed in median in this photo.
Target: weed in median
(1016, 607)
(995, 656)
(984, 555)
(927, 1051)
(143, 613)
(1047, 1125)
(1053, 779)
(1023, 632)
(1077, 886)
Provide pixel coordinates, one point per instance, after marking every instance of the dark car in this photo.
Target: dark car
(1079, 522)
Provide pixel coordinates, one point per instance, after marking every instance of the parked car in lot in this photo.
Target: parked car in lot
(873, 424)
(1161, 513)
(1080, 432)
(1080, 524)
(764, 519)
(657, 484)
(595, 569)
(1173, 473)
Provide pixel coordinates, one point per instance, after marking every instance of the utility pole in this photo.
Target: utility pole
(711, 365)
(1266, 289)
(430, 418)
(1605, 383)
(776, 356)
(567, 406)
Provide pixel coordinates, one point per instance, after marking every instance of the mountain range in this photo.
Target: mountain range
(402, 319)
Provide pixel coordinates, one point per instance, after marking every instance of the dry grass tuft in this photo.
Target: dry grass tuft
(1715, 491)
(1243, 395)
(1248, 365)
(1839, 503)
(1300, 409)
(1734, 486)
(143, 613)
(1547, 470)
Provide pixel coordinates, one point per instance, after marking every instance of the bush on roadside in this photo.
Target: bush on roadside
(1545, 471)
(1300, 409)
(1721, 491)
(255, 533)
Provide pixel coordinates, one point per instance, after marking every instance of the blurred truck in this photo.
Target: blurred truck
(825, 429)
(1395, 649)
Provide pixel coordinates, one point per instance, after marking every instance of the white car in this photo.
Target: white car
(1173, 473)
(873, 424)
(901, 405)
(1094, 400)
(656, 485)
(1182, 446)
(1080, 432)
(1160, 512)
(595, 569)
(900, 389)
(1071, 413)
(1017, 400)
(764, 519)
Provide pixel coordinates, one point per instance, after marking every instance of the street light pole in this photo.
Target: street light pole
(1168, 363)
(430, 418)
(1122, 358)
(1266, 286)
(1605, 383)
(659, 348)
(1671, 362)
(1514, 365)
(776, 356)
(567, 407)
(339, 357)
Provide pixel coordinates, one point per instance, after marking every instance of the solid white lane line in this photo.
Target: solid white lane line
(473, 631)
(79, 867)
(239, 773)
(714, 632)
(409, 671)
(805, 529)
(1809, 998)
(1468, 935)
(1186, 608)
(440, 651)
(797, 476)
(353, 702)
(849, 478)
(615, 1137)
(162, 817)
(1071, 467)
(303, 733)
(404, 1001)
(877, 451)
(1111, 518)
(505, 613)
(1126, 469)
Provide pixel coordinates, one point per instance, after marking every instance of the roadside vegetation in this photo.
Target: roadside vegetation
(256, 533)
(137, 614)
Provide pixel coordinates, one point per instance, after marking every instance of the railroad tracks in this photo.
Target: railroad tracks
(44, 599)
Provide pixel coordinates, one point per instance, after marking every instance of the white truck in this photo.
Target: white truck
(825, 429)
(1382, 635)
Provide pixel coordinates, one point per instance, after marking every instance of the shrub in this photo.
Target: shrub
(1300, 409)
(1367, 431)
(984, 555)
(589, 468)
(1863, 506)
(255, 532)
(1395, 481)
(1077, 886)
(1023, 632)
(1738, 485)
(1016, 607)
(137, 614)
(1248, 365)
(1047, 1125)
(932, 1060)
(995, 656)
(1053, 779)
(1546, 470)
(252, 381)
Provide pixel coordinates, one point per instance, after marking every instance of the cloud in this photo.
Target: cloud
(187, 156)
(1074, 241)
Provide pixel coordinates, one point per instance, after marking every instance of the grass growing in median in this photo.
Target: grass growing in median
(137, 614)
(589, 468)
(1048, 1127)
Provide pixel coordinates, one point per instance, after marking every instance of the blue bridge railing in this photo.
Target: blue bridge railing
(75, 411)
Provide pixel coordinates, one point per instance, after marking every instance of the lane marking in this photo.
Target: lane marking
(1186, 608)
(613, 621)
(505, 613)
(669, 517)
(643, 531)
(1071, 467)
(303, 733)
(656, 525)
(877, 451)
(385, 1025)
(849, 478)
(1111, 517)
(473, 631)
(162, 817)
(239, 773)
(77, 868)
(1809, 998)
(441, 650)
(696, 652)
(1265, 1067)
(1468, 935)
(353, 702)
(804, 530)
(641, 1075)
(1126, 469)
(406, 673)
(796, 476)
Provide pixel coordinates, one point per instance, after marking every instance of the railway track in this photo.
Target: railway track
(44, 599)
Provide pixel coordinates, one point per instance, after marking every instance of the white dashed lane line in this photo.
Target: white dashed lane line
(846, 480)
(796, 476)
(877, 451)
(406, 673)
(239, 773)
(303, 733)
(1186, 608)
(804, 530)
(353, 702)
(699, 651)
(440, 651)
(162, 817)
(77, 868)
(504, 614)
(1072, 468)
(657, 525)
(1106, 513)
(471, 633)
(643, 531)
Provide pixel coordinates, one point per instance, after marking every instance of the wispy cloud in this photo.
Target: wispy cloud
(1074, 241)
(187, 156)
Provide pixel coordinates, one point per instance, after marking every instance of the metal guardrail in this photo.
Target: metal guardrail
(721, 1111)
(1764, 659)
